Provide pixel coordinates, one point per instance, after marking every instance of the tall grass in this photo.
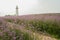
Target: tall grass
(50, 27)
(13, 34)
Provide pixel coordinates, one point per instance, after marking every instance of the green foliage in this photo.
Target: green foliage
(19, 21)
(24, 35)
(9, 20)
(50, 27)
(0, 23)
(27, 36)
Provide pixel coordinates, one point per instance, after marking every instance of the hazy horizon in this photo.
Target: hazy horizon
(7, 7)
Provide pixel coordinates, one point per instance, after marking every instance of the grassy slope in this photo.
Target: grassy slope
(11, 22)
(35, 35)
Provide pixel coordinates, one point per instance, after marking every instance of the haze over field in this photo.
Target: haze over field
(29, 6)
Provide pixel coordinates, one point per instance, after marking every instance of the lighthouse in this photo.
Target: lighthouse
(17, 13)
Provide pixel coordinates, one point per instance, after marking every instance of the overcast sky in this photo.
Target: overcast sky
(29, 6)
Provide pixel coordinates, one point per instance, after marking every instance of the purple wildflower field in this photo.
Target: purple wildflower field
(14, 27)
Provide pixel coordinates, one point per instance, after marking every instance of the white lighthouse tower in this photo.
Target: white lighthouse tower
(17, 13)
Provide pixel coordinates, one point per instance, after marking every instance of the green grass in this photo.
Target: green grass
(50, 27)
